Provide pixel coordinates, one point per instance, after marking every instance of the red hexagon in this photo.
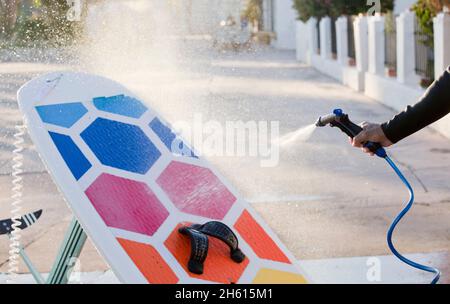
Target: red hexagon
(126, 204)
(196, 190)
(218, 266)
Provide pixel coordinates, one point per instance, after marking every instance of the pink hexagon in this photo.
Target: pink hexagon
(196, 190)
(126, 204)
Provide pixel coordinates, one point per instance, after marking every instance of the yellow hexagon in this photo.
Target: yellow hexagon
(272, 276)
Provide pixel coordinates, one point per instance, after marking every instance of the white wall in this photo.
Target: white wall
(284, 17)
(284, 24)
(204, 16)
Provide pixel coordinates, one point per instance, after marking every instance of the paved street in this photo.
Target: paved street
(326, 200)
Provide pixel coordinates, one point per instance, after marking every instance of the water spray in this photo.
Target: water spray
(341, 120)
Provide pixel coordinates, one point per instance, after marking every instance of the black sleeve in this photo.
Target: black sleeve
(433, 105)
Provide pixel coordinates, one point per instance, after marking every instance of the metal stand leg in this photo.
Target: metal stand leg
(34, 272)
(70, 250)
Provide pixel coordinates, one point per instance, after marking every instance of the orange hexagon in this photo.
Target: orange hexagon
(149, 262)
(261, 243)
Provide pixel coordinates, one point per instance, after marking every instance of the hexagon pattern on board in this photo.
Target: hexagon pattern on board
(120, 145)
(261, 243)
(63, 115)
(149, 262)
(196, 190)
(121, 105)
(126, 204)
(135, 203)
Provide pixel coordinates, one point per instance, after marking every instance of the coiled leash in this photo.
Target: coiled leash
(198, 235)
(341, 120)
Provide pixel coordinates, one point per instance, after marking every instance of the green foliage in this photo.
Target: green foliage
(59, 29)
(425, 11)
(389, 22)
(48, 23)
(8, 14)
(253, 11)
(335, 8)
(312, 8)
(32, 30)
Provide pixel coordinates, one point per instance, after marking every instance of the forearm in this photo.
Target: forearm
(433, 105)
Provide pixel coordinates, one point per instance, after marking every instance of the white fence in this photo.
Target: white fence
(369, 74)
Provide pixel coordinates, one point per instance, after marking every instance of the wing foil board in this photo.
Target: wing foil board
(132, 182)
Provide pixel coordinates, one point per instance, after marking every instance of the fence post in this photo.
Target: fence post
(406, 57)
(342, 40)
(361, 43)
(376, 44)
(312, 39)
(441, 24)
(325, 37)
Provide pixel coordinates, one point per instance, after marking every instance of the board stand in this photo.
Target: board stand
(68, 254)
(66, 259)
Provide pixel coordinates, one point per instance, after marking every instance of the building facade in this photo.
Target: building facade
(279, 16)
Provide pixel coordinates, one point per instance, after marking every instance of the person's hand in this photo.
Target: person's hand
(371, 132)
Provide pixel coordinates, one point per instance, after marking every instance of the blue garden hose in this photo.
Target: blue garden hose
(398, 219)
(340, 120)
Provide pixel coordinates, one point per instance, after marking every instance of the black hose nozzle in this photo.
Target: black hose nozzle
(340, 119)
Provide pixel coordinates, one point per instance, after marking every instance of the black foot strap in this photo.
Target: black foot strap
(199, 243)
(199, 249)
(225, 234)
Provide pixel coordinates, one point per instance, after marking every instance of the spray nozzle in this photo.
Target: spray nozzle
(339, 119)
(322, 121)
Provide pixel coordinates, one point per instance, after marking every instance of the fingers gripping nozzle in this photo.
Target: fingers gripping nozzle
(341, 120)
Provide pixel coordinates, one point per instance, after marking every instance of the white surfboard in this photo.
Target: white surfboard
(131, 182)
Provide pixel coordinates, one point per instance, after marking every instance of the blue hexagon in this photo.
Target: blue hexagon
(120, 104)
(72, 155)
(170, 139)
(64, 114)
(121, 145)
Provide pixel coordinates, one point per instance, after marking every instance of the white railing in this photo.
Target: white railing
(369, 74)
